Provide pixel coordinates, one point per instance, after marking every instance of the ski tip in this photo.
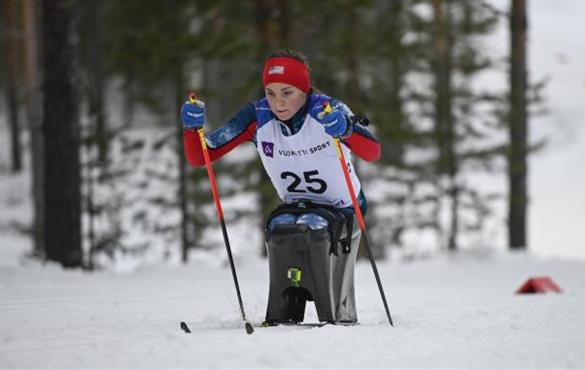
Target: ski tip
(249, 328)
(185, 328)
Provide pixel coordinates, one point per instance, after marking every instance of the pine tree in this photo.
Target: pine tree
(191, 46)
(10, 63)
(33, 101)
(61, 128)
(449, 131)
(390, 57)
(518, 120)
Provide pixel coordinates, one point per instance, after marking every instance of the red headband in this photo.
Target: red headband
(287, 70)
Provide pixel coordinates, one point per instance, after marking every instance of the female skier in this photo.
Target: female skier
(293, 136)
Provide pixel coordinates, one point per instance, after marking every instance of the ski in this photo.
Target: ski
(295, 324)
(307, 325)
(185, 328)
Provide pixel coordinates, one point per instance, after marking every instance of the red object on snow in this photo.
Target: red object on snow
(542, 284)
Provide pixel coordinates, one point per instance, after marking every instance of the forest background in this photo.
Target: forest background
(92, 91)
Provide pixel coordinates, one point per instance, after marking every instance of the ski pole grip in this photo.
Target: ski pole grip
(193, 100)
(327, 108)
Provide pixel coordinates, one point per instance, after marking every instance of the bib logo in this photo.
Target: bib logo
(268, 149)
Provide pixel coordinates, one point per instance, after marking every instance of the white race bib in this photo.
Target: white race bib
(305, 165)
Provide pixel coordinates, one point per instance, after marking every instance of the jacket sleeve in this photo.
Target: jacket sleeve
(363, 144)
(239, 129)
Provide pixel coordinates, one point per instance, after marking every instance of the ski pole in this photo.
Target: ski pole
(358, 212)
(215, 193)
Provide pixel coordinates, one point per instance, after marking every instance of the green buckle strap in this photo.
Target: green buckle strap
(294, 274)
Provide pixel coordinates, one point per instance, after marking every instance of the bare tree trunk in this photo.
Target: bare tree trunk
(89, 204)
(445, 125)
(62, 136)
(96, 137)
(10, 68)
(94, 25)
(180, 95)
(34, 117)
(395, 151)
(454, 226)
(179, 99)
(517, 166)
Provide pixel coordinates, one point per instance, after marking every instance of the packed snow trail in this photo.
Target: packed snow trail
(456, 312)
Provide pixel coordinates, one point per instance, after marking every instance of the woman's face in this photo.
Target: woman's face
(284, 99)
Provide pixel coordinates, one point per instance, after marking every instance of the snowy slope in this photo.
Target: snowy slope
(455, 312)
(451, 312)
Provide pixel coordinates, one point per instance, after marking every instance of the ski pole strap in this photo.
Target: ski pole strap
(361, 119)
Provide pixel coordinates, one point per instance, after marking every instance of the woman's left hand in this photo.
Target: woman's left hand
(334, 122)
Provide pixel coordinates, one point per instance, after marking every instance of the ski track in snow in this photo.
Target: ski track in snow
(455, 312)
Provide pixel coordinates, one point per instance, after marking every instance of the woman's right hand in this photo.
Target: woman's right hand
(193, 114)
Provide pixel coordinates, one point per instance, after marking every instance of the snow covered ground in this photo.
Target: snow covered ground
(454, 312)
(450, 312)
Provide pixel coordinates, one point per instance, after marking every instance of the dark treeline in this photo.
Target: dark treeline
(419, 69)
